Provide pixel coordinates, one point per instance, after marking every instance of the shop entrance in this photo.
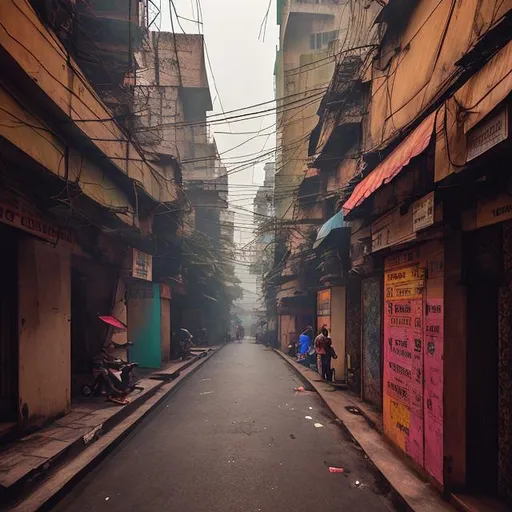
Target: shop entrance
(484, 273)
(8, 327)
(371, 292)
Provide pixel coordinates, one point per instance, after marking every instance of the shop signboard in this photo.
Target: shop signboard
(142, 265)
(323, 308)
(18, 213)
(392, 229)
(493, 210)
(423, 212)
(487, 134)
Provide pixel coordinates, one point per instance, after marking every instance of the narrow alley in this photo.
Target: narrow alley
(236, 437)
(329, 181)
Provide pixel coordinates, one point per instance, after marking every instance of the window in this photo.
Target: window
(322, 39)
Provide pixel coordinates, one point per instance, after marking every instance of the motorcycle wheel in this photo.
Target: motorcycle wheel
(86, 390)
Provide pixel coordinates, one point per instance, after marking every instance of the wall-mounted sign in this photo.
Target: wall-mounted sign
(17, 213)
(391, 229)
(423, 212)
(494, 210)
(404, 275)
(323, 302)
(142, 265)
(487, 134)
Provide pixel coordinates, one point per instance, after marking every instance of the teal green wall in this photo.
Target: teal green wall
(144, 324)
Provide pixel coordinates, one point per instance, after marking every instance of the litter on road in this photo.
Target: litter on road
(308, 417)
(207, 393)
(318, 425)
(333, 469)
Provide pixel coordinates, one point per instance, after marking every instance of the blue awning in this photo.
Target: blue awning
(335, 222)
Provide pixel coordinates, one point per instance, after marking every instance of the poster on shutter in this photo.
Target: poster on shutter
(403, 403)
(433, 360)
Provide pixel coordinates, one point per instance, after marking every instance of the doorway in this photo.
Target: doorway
(485, 263)
(8, 326)
(371, 293)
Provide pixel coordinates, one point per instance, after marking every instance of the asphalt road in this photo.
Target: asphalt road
(234, 438)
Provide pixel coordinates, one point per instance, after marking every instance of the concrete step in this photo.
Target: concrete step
(26, 461)
(71, 469)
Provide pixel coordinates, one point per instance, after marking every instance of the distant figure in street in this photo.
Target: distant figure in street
(240, 333)
(305, 340)
(323, 353)
(202, 337)
(185, 343)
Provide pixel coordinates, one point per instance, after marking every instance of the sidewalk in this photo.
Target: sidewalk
(33, 460)
(418, 494)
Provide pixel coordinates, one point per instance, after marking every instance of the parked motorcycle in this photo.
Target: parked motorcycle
(113, 376)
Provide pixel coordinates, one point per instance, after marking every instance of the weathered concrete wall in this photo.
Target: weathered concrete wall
(417, 63)
(161, 100)
(44, 330)
(45, 62)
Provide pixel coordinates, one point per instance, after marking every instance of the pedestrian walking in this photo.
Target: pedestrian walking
(240, 333)
(323, 353)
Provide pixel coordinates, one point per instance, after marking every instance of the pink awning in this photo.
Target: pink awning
(411, 147)
(113, 321)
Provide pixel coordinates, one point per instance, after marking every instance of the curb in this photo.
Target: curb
(36, 475)
(413, 492)
(55, 486)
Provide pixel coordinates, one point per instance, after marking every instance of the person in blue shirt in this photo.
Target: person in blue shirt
(305, 340)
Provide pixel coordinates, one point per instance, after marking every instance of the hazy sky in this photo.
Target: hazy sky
(243, 67)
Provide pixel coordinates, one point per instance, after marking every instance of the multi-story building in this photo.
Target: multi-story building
(172, 99)
(79, 199)
(262, 247)
(418, 130)
(315, 36)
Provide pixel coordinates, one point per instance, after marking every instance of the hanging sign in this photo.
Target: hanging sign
(142, 265)
(18, 213)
